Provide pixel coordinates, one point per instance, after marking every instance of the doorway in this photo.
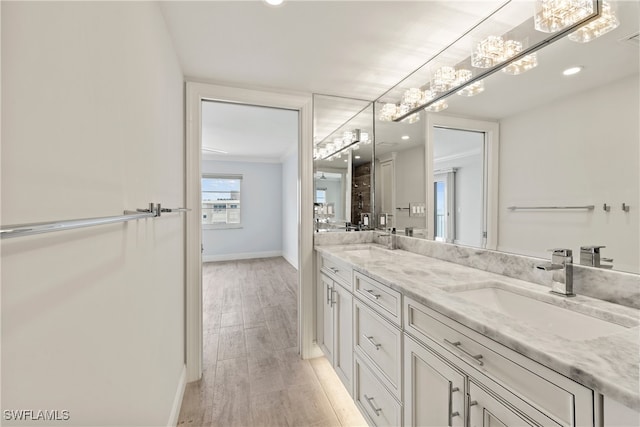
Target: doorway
(462, 177)
(197, 94)
(459, 164)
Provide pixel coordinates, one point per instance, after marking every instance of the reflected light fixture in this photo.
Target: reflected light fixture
(438, 106)
(274, 2)
(555, 15)
(522, 65)
(594, 29)
(472, 89)
(405, 137)
(571, 71)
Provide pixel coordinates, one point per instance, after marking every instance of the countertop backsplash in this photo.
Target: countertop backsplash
(613, 286)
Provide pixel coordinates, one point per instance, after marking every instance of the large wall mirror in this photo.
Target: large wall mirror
(535, 161)
(343, 153)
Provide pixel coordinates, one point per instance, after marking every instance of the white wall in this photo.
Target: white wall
(261, 210)
(580, 150)
(290, 204)
(92, 115)
(410, 182)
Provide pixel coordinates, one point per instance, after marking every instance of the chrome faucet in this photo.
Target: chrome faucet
(562, 266)
(392, 243)
(590, 255)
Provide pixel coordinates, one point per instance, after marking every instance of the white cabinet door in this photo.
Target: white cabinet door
(485, 410)
(343, 335)
(434, 391)
(327, 318)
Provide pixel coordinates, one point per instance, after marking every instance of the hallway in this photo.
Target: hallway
(252, 374)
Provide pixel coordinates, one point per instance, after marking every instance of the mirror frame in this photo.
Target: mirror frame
(492, 166)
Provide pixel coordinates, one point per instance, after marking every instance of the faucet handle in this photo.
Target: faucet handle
(591, 249)
(561, 251)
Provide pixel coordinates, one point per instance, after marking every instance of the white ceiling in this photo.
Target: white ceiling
(272, 134)
(355, 49)
(360, 49)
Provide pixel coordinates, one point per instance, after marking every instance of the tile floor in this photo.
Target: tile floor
(252, 373)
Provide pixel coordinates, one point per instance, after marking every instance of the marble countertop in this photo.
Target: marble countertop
(608, 364)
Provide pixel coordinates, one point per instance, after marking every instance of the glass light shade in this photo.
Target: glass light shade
(462, 76)
(364, 137)
(388, 113)
(522, 65)
(444, 78)
(606, 22)
(554, 15)
(511, 49)
(472, 89)
(438, 106)
(413, 97)
(488, 52)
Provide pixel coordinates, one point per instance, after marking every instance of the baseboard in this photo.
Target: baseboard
(177, 400)
(316, 351)
(290, 260)
(247, 255)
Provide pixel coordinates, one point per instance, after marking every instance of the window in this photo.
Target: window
(321, 195)
(221, 200)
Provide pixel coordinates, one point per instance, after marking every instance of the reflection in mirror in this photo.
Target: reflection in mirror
(458, 177)
(343, 134)
(565, 142)
(400, 176)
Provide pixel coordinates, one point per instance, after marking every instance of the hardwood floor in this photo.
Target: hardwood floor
(253, 375)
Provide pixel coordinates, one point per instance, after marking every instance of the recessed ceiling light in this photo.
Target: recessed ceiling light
(346, 160)
(571, 71)
(357, 157)
(405, 137)
(274, 2)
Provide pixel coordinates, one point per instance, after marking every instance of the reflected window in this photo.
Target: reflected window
(321, 196)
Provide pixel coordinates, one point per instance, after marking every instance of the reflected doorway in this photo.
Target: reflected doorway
(459, 186)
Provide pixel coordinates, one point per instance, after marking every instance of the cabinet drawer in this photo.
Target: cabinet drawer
(380, 343)
(339, 272)
(374, 401)
(383, 299)
(553, 394)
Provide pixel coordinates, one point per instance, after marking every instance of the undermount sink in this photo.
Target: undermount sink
(552, 318)
(366, 251)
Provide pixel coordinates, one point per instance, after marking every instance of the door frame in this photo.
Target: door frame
(195, 94)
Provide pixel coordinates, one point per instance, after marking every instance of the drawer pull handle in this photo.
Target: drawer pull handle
(453, 390)
(329, 293)
(333, 301)
(373, 343)
(376, 410)
(455, 414)
(458, 345)
(371, 292)
(335, 270)
(473, 403)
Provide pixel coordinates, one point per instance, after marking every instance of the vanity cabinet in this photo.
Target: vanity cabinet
(406, 363)
(335, 337)
(502, 386)
(435, 392)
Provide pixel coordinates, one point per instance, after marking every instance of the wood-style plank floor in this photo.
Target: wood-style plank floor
(253, 375)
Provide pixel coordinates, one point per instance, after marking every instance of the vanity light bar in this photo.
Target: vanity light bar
(489, 71)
